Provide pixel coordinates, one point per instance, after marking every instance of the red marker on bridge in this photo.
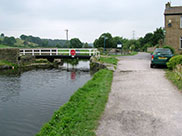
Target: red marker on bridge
(73, 52)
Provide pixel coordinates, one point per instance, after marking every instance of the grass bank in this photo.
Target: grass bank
(3, 62)
(175, 78)
(80, 115)
(109, 60)
(4, 46)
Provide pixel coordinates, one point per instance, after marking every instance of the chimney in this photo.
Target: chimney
(168, 5)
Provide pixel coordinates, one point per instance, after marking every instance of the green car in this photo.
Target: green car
(161, 56)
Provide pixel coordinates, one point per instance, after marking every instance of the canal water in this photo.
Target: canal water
(28, 100)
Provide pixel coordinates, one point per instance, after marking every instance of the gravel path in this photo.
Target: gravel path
(142, 102)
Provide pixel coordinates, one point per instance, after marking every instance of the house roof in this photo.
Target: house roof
(173, 10)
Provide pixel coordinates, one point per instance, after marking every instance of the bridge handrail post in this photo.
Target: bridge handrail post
(23, 52)
(69, 52)
(50, 52)
(95, 52)
(90, 53)
(39, 51)
(32, 52)
(56, 51)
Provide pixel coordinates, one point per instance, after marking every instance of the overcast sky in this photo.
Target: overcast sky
(85, 19)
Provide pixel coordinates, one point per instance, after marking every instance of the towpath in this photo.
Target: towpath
(142, 101)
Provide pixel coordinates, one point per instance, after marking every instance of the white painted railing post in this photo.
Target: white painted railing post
(39, 51)
(94, 53)
(69, 52)
(50, 52)
(56, 51)
(23, 51)
(90, 53)
(32, 52)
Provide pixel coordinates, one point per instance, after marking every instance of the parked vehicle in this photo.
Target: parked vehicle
(161, 56)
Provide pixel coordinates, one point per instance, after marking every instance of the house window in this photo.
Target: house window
(181, 22)
(180, 43)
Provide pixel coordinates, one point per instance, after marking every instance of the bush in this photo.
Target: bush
(174, 61)
(171, 48)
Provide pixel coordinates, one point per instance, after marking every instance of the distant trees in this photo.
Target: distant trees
(9, 41)
(43, 42)
(75, 43)
(32, 39)
(152, 39)
(141, 44)
(108, 41)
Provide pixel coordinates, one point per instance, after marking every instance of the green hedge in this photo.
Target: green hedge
(174, 61)
(80, 115)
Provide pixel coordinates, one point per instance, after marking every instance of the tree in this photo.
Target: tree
(148, 39)
(158, 36)
(117, 40)
(23, 37)
(45, 43)
(2, 35)
(75, 43)
(9, 41)
(109, 43)
(85, 45)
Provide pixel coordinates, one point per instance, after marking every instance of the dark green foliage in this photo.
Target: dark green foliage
(158, 35)
(109, 43)
(174, 61)
(32, 39)
(2, 35)
(141, 44)
(152, 39)
(9, 41)
(171, 48)
(80, 115)
(43, 42)
(75, 43)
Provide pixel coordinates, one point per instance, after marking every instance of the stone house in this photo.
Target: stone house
(173, 26)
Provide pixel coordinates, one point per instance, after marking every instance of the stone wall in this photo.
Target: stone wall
(9, 54)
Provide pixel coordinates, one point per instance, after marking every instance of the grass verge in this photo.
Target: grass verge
(110, 60)
(175, 78)
(4, 46)
(3, 62)
(80, 115)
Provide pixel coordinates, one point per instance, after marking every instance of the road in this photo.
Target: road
(142, 102)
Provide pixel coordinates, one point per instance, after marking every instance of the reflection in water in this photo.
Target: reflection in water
(73, 75)
(28, 101)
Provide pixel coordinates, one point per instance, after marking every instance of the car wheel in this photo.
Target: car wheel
(152, 65)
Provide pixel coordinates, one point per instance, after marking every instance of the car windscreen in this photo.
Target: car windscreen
(163, 51)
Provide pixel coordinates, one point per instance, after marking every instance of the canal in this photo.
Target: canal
(28, 100)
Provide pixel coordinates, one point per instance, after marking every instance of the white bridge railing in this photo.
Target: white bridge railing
(60, 51)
